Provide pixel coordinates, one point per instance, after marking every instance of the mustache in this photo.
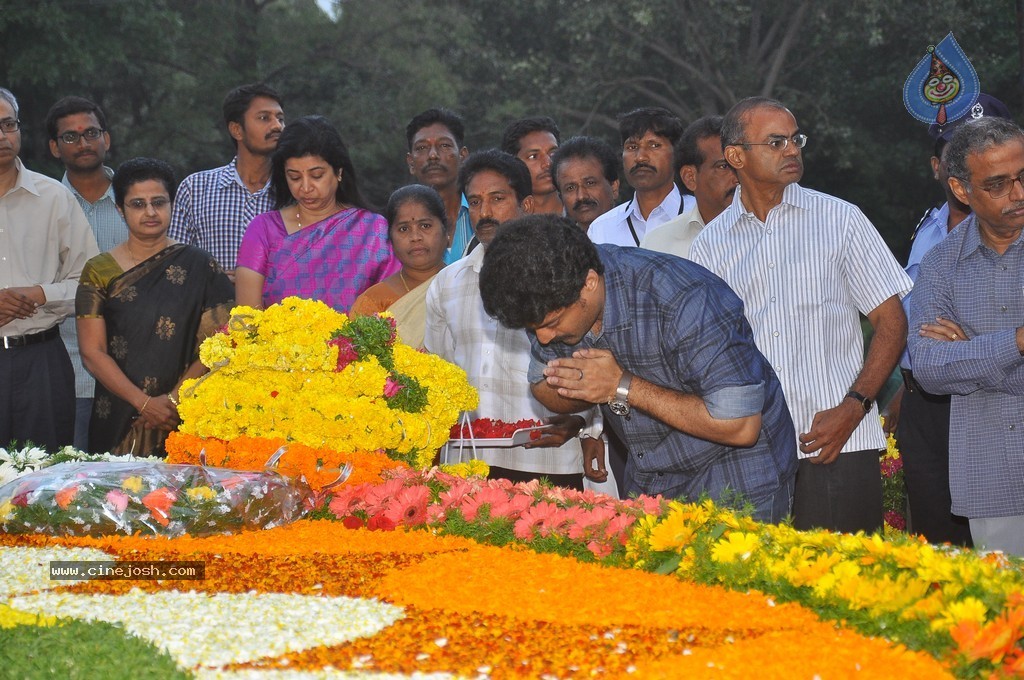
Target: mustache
(641, 166)
(433, 166)
(1014, 208)
(584, 202)
(273, 135)
(487, 222)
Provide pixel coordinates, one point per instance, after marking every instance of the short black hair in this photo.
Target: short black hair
(238, 100)
(518, 129)
(314, 136)
(734, 125)
(416, 193)
(587, 147)
(505, 164)
(68, 106)
(446, 117)
(142, 170)
(639, 122)
(687, 150)
(535, 265)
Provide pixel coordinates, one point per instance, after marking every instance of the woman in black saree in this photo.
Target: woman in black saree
(142, 310)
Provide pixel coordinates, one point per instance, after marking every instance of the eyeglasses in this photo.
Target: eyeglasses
(71, 137)
(140, 204)
(780, 143)
(999, 188)
(9, 125)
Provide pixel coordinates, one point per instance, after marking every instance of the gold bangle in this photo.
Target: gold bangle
(144, 405)
(170, 398)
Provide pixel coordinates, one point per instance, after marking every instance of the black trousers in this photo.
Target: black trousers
(37, 395)
(923, 436)
(842, 496)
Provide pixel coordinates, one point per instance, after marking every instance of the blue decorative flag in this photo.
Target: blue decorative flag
(943, 86)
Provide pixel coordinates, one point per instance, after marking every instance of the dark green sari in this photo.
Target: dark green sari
(157, 314)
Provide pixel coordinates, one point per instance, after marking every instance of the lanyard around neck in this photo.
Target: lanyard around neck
(632, 230)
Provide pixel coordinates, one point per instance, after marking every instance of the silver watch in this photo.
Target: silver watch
(619, 404)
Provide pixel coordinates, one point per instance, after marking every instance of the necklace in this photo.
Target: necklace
(131, 254)
(401, 275)
(298, 213)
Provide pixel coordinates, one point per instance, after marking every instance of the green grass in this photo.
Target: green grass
(78, 650)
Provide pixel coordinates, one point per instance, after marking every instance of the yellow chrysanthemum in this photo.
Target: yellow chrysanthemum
(674, 533)
(201, 493)
(10, 617)
(967, 609)
(737, 546)
(133, 484)
(843, 570)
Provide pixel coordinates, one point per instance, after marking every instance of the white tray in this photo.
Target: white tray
(518, 438)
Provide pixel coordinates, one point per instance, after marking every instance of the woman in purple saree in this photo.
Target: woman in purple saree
(321, 242)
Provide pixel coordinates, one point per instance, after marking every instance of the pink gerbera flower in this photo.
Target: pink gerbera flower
(409, 506)
(532, 519)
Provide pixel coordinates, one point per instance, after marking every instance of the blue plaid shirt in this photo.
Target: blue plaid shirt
(110, 230)
(675, 324)
(963, 280)
(212, 210)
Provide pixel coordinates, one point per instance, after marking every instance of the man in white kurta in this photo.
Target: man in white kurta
(496, 359)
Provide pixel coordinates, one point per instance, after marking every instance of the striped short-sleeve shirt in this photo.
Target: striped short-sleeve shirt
(805, 275)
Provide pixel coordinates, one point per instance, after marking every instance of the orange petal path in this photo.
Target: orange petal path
(509, 612)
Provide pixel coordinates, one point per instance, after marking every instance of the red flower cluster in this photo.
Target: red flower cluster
(346, 352)
(487, 428)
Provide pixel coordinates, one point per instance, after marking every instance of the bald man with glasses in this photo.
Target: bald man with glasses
(806, 266)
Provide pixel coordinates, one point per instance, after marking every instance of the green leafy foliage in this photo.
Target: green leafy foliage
(160, 69)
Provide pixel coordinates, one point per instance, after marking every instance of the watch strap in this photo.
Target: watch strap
(864, 401)
(622, 391)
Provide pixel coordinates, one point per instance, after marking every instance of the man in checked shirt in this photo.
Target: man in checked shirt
(213, 207)
(967, 331)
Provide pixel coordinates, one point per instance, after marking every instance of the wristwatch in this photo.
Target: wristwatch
(864, 401)
(619, 403)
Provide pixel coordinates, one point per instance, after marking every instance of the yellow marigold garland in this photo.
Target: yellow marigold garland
(301, 372)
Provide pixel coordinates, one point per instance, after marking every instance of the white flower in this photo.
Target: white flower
(24, 570)
(8, 472)
(224, 628)
(35, 456)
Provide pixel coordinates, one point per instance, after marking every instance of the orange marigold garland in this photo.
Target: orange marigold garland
(319, 466)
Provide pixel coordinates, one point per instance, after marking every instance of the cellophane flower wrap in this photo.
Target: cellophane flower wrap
(99, 499)
(301, 371)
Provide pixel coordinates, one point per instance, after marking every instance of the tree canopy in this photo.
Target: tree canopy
(160, 69)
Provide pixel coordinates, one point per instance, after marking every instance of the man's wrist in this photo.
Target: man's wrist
(863, 402)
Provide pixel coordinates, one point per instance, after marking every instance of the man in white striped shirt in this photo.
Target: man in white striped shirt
(806, 265)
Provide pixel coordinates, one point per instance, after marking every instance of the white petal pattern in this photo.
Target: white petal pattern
(197, 629)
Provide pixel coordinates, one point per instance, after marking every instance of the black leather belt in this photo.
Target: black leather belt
(16, 341)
